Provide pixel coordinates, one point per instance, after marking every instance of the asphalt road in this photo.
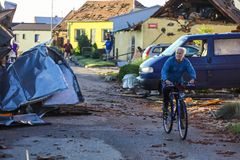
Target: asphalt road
(117, 127)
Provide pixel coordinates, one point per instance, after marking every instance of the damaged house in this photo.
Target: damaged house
(92, 20)
(181, 17)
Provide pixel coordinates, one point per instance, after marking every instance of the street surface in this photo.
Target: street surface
(112, 126)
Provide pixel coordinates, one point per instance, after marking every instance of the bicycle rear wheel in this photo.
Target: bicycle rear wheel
(182, 120)
(168, 118)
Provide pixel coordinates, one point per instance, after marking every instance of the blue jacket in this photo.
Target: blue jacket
(108, 45)
(173, 70)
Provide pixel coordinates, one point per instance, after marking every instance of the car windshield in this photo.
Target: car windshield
(172, 48)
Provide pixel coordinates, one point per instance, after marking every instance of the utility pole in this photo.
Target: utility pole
(51, 19)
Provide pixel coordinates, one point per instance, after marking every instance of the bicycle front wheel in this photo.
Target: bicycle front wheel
(168, 118)
(182, 120)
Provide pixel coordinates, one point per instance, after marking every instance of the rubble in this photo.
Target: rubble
(188, 13)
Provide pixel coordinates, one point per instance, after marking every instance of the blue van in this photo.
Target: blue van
(216, 61)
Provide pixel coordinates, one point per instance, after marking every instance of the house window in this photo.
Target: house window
(78, 33)
(105, 34)
(36, 37)
(23, 36)
(226, 47)
(16, 37)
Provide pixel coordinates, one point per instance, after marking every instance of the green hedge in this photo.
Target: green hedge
(132, 68)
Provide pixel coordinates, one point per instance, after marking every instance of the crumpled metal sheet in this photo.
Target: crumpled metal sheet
(72, 95)
(31, 119)
(6, 17)
(33, 77)
(5, 38)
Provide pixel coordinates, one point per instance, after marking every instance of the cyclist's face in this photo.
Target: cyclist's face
(180, 55)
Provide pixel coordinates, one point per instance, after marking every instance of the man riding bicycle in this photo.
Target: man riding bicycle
(172, 73)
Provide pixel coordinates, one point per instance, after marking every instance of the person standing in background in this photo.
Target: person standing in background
(12, 55)
(67, 49)
(14, 47)
(108, 47)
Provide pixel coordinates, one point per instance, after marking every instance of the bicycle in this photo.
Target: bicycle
(177, 108)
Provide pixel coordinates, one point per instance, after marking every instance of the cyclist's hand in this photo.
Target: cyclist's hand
(168, 82)
(192, 81)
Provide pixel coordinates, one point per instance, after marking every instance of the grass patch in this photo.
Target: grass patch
(90, 62)
(112, 74)
(235, 128)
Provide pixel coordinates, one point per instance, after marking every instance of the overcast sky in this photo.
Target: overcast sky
(27, 9)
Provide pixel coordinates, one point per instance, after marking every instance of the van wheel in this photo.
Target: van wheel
(147, 94)
(160, 89)
(160, 92)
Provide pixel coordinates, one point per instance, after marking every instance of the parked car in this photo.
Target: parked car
(217, 61)
(156, 50)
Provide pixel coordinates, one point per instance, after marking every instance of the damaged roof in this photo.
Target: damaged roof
(132, 19)
(99, 10)
(225, 7)
(62, 26)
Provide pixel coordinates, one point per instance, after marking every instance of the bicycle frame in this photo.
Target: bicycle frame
(178, 96)
(178, 109)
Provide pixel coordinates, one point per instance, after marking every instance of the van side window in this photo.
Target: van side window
(226, 47)
(196, 48)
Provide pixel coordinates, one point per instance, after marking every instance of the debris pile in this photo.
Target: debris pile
(36, 82)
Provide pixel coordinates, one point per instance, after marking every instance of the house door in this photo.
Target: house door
(93, 36)
(132, 48)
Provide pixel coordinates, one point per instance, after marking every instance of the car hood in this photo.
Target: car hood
(154, 62)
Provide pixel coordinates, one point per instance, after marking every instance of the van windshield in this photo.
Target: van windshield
(172, 48)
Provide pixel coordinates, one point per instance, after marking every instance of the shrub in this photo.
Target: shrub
(128, 69)
(83, 41)
(204, 29)
(235, 128)
(87, 49)
(229, 110)
(95, 53)
(76, 51)
(132, 68)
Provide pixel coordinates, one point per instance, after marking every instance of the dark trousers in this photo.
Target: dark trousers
(166, 98)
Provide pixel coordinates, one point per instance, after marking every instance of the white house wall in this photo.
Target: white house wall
(29, 41)
(123, 41)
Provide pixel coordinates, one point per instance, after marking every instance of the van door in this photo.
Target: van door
(224, 66)
(198, 60)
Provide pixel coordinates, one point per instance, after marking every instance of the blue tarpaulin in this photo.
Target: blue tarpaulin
(40, 74)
